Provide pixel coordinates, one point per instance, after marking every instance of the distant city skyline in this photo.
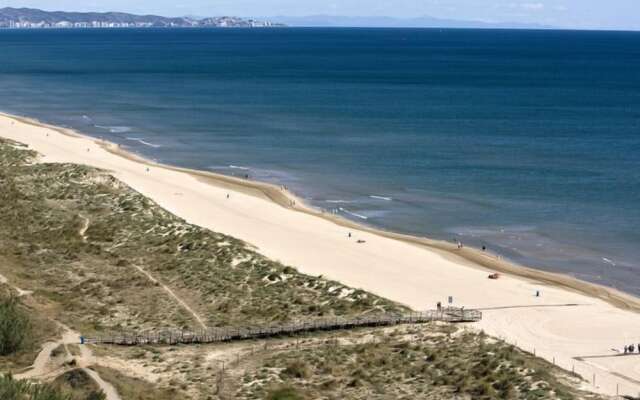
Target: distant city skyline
(580, 14)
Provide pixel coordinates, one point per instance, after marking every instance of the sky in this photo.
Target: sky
(584, 14)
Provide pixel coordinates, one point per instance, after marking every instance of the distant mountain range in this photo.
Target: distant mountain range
(34, 18)
(388, 22)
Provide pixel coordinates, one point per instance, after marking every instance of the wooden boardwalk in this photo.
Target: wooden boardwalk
(228, 334)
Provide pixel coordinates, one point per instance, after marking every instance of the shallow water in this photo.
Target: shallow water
(524, 141)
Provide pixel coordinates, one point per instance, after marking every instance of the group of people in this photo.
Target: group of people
(631, 349)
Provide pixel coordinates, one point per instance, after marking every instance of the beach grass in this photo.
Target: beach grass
(100, 257)
(71, 385)
(435, 362)
(23, 330)
(78, 385)
(136, 389)
(80, 239)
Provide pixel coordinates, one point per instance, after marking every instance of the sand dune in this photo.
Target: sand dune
(572, 322)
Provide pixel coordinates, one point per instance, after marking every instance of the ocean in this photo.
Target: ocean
(527, 142)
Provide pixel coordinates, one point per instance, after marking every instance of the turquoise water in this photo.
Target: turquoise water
(527, 142)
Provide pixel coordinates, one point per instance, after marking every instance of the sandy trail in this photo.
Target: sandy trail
(107, 388)
(21, 292)
(397, 267)
(171, 293)
(83, 230)
(41, 366)
(44, 368)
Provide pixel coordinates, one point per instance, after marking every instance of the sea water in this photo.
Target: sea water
(527, 142)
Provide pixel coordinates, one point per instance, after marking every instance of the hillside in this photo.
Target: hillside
(328, 21)
(34, 18)
(85, 255)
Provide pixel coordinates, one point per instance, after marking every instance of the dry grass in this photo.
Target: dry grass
(408, 363)
(77, 384)
(39, 330)
(94, 282)
(91, 284)
(136, 389)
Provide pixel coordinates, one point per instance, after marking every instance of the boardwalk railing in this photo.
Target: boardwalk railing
(228, 334)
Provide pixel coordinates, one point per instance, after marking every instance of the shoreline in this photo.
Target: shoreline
(571, 320)
(272, 192)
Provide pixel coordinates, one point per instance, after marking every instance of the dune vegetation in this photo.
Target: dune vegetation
(79, 238)
(80, 250)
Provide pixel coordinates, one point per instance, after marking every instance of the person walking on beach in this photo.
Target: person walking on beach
(227, 195)
(626, 349)
(349, 234)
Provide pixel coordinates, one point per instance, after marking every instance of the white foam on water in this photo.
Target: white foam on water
(239, 167)
(608, 261)
(115, 129)
(339, 201)
(381, 198)
(354, 214)
(142, 141)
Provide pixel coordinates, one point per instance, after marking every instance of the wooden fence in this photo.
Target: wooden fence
(228, 334)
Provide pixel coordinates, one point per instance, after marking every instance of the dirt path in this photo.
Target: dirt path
(83, 230)
(175, 297)
(41, 366)
(44, 367)
(107, 388)
(21, 293)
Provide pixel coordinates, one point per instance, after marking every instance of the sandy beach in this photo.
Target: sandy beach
(577, 325)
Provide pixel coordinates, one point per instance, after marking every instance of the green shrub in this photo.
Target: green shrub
(297, 369)
(284, 393)
(11, 389)
(97, 396)
(14, 326)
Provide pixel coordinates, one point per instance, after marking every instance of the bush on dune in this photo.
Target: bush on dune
(14, 326)
(11, 389)
(284, 393)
